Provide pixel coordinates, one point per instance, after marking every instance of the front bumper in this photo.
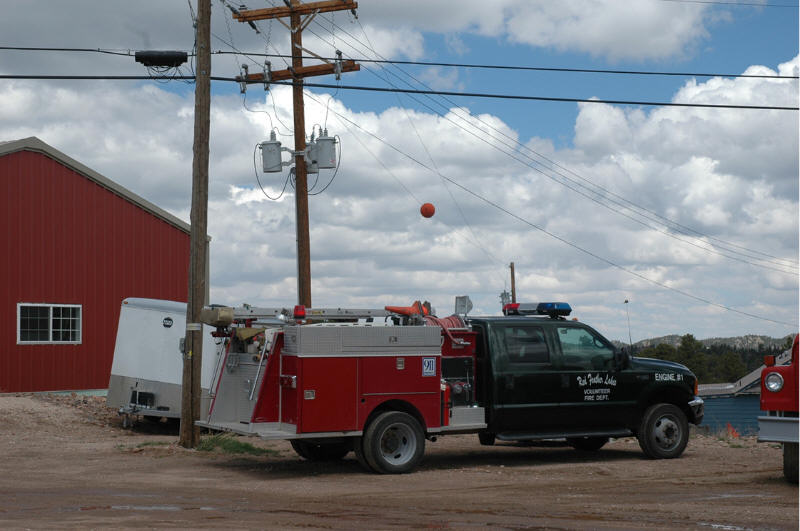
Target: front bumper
(777, 429)
(697, 406)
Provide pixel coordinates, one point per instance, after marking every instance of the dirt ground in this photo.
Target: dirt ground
(67, 463)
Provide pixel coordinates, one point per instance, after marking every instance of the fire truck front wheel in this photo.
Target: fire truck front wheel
(393, 443)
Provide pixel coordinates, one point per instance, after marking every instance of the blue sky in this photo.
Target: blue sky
(732, 175)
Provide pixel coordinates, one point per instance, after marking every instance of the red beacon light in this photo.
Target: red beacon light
(511, 309)
(299, 312)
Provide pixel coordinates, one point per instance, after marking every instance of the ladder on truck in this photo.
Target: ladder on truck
(222, 316)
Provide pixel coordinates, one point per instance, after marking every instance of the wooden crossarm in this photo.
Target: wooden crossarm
(298, 9)
(299, 73)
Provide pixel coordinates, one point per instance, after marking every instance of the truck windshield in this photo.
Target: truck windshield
(582, 350)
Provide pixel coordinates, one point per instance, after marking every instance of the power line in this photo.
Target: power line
(532, 68)
(555, 236)
(89, 50)
(702, 247)
(596, 200)
(576, 189)
(434, 63)
(627, 204)
(102, 78)
(599, 196)
(563, 176)
(475, 240)
(429, 92)
(545, 98)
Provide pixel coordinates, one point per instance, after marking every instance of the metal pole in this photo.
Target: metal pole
(513, 285)
(630, 341)
(193, 355)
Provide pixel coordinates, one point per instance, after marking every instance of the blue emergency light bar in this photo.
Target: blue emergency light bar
(553, 309)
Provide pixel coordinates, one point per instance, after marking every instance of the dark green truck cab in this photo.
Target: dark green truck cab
(545, 377)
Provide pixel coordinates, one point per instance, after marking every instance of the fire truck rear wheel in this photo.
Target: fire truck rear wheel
(393, 443)
(664, 431)
(790, 462)
(320, 452)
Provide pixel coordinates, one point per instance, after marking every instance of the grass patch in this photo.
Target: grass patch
(152, 443)
(141, 445)
(230, 444)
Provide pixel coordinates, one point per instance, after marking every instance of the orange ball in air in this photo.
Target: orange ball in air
(427, 210)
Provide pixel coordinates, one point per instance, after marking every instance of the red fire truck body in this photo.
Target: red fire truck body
(320, 385)
(779, 397)
(358, 382)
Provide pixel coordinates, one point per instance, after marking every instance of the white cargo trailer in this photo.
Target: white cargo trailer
(147, 370)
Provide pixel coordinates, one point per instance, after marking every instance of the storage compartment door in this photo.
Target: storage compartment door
(328, 394)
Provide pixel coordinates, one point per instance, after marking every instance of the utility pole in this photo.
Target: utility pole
(300, 16)
(513, 287)
(198, 241)
(300, 171)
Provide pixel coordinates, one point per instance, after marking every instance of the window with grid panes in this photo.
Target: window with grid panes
(48, 323)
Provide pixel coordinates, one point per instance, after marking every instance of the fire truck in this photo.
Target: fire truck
(381, 383)
(779, 398)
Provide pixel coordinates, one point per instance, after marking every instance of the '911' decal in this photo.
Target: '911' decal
(428, 366)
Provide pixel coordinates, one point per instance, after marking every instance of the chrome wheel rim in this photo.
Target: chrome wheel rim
(667, 432)
(398, 444)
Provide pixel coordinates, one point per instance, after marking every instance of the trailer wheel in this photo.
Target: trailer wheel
(587, 444)
(393, 443)
(664, 432)
(790, 462)
(320, 451)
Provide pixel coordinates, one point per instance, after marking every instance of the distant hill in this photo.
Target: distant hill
(748, 342)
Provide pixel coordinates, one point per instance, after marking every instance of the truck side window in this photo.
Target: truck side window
(581, 350)
(523, 344)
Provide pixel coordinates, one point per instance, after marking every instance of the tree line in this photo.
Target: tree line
(714, 363)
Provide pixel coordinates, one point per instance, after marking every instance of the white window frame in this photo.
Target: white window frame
(50, 307)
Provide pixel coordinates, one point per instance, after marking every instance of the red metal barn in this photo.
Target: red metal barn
(76, 244)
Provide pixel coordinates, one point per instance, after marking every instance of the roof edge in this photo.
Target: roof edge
(36, 145)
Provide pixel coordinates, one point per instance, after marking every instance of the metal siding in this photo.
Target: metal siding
(741, 412)
(71, 241)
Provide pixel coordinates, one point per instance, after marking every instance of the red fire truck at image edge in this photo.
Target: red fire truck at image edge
(779, 398)
(382, 382)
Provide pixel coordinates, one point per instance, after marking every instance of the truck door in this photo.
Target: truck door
(592, 387)
(526, 381)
